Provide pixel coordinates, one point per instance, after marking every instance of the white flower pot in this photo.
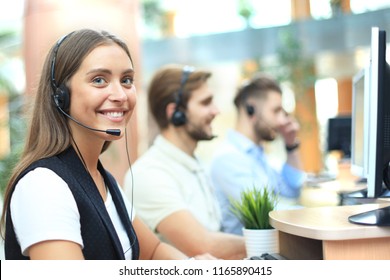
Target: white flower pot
(260, 241)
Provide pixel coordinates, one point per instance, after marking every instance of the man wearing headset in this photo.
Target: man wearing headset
(173, 194)
(240, 162)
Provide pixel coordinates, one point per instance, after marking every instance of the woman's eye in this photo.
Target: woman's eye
(128, 81)
(99, 81)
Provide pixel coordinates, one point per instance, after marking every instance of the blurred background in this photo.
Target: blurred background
(313, 47)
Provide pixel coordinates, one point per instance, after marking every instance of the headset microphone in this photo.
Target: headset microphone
(116, 132)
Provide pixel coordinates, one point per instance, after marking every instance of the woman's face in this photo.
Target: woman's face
(103, 95)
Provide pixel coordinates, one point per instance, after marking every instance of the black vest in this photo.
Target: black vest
(100, 239)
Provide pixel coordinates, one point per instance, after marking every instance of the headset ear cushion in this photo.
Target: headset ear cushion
(250, 110)
(62, 97)
(178, 118)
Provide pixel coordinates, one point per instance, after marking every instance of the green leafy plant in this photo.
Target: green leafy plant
(254, 206)
(17, 129)
(15, 122)
(246, 11)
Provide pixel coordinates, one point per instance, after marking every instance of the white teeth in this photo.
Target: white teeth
(114, 114)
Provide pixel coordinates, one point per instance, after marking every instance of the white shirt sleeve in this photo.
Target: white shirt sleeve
(43, 208)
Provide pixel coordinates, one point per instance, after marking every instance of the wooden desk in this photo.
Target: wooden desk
(326, 233)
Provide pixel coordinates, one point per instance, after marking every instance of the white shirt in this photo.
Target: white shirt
(167, 180)
(43, 208)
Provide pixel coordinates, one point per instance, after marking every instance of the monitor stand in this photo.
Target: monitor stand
(360, 197)
(378, 217)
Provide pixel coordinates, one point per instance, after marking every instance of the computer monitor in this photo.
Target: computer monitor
(379, 131)
(339, 135)
(360, 118)
(379, 122)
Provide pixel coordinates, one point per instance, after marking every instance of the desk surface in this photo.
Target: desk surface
(329, 193)
(328, 223)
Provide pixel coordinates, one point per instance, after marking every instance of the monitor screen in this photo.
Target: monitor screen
(339, 135)
(360, 118)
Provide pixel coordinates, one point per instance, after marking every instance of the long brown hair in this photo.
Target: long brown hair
(49, 133)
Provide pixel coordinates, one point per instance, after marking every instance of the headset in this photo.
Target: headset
(61, 94)
(179, 117)
(250, 110)
(242, 98)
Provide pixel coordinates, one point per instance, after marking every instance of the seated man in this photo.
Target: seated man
(240, 162)
(172, 193)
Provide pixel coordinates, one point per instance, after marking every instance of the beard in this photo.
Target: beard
(197, 133)
(264, 132)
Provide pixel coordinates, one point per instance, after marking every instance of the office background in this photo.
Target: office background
(313, 47)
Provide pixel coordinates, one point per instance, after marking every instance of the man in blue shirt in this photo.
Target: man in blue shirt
(240, 162)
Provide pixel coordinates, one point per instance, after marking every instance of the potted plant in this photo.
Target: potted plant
(336, 7)
(253, 211)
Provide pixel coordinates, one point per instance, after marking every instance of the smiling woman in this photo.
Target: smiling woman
(62, 95)
(60, 186)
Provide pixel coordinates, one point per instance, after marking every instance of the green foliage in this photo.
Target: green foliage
(253, 208)
(16, 123)
(17, 126)
(245, 9)
(151, 11)
(294, 65)
(6, 166)
(336, 2)
(154, 14)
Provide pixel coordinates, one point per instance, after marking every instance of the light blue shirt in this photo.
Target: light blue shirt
(239, 164)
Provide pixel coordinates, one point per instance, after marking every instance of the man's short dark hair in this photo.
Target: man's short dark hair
(258, 87)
